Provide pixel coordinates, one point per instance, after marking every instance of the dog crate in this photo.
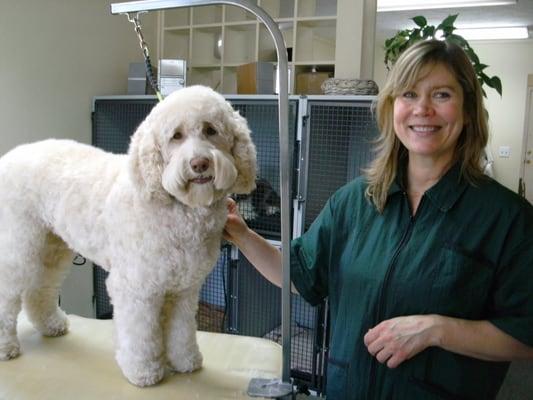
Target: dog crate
(335, 145)
(330, 138)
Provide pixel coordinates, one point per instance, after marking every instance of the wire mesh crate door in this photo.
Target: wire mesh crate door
(340, 136)
(262, 209)
(212, 307)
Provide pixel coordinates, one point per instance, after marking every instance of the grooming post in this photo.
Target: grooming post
(258, 387)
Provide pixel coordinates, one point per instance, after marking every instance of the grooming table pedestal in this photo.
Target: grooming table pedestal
(81, 365)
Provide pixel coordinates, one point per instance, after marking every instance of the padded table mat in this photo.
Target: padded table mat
(81, 365)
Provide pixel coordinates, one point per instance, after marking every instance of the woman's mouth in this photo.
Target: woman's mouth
(424, 128)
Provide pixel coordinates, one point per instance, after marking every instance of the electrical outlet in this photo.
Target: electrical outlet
(504, 151)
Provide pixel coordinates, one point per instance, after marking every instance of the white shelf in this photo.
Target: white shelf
(176, 43)
(207, 15)
(205, 49)
(317, 8)
(309, 29)
(177, 17)
(237, 14)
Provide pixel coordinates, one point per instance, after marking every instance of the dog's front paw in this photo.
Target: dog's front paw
(9, 351)
(55, 325)
(143, 373)
(187, 362)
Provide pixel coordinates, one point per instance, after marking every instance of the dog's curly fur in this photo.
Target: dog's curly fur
(153, 218)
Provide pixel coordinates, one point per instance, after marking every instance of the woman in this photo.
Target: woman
(427, 263)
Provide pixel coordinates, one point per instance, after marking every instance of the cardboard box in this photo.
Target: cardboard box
(255, 78)
(309, 82)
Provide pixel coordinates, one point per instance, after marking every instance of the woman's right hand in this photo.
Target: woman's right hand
(235, 227)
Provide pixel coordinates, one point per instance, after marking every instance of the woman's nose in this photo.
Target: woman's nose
(423, 106)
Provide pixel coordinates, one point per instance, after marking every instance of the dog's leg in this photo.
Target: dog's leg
(19, 253)
(41, 299)
(179, 315)
(9, 310)
(138, 335)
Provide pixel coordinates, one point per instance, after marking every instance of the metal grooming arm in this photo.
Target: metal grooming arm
(283, 388)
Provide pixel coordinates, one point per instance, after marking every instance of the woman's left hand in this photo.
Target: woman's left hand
(398, 339)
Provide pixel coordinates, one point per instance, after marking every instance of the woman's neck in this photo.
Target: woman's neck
(421, 176)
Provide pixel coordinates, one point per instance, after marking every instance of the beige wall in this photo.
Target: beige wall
(512, 61)
(57, 55)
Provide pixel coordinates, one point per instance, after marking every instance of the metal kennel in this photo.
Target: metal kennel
(330, 141)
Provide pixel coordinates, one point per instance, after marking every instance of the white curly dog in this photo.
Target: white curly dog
(153, 218)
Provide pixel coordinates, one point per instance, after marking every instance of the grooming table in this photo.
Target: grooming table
(81, 365)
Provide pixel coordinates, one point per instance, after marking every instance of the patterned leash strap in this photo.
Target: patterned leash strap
(134, 19)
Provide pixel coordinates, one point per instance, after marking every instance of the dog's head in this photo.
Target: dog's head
(193, 147)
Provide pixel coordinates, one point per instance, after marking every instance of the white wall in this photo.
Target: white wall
(512, 61)
(55, 56)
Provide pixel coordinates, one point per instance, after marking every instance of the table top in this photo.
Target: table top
(81, 365)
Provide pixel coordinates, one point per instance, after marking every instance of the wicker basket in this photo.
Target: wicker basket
(337, 86)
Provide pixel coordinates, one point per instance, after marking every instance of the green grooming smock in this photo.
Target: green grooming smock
(467, 253)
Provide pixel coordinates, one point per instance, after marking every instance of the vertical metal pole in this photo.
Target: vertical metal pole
(283, 113)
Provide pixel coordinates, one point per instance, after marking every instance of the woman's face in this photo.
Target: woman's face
(428, 118)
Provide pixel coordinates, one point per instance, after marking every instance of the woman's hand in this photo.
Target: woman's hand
(235, 226)
(398, 339)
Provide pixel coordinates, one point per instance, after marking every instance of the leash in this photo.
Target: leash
(135, 20)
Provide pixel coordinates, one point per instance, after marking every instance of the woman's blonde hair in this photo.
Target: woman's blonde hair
(404, 75)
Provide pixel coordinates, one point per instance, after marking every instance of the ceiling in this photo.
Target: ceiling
(520, 14)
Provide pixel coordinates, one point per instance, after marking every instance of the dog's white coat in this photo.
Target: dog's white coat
(140, 216)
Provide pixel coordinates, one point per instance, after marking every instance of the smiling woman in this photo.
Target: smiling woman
(429, 284)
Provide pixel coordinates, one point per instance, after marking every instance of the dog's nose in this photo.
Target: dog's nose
(199, 164)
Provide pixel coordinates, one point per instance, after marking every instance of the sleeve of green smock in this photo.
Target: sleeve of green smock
(310, 257)
(513, 292)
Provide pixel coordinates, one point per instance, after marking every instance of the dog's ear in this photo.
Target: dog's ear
(146, 163)
(244, 153)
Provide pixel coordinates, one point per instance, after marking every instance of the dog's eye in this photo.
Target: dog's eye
(210, 131)
(177, 135)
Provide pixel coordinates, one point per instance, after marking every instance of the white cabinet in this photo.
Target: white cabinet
(216, 39)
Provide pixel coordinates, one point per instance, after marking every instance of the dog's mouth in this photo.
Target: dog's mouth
(201, 180)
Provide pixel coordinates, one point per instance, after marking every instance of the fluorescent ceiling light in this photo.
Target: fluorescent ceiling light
(514, 32)
(398, 5)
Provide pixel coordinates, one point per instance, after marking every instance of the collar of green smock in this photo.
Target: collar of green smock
(444, 194)
(448, 189)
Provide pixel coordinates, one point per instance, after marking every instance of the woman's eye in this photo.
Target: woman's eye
(442, 95)
(210, 131)
(177, 135)
(409, 94)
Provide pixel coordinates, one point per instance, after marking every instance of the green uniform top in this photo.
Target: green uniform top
(467, 253)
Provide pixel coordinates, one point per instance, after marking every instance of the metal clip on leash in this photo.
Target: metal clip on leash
(144, 47)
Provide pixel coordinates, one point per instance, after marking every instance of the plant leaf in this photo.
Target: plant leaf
(448, 22)
(420, 21)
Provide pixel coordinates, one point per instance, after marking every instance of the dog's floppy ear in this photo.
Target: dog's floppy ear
(244, 153)
(146, 163)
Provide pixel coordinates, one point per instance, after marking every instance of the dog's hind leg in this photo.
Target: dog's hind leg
(9, 310)
(40, 300)
(179, 318)
(16, 262)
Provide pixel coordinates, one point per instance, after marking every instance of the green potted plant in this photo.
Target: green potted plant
(395, 45)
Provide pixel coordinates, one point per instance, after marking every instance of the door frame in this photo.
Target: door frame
(525, 140)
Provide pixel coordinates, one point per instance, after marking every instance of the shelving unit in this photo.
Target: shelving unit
(215, 40)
